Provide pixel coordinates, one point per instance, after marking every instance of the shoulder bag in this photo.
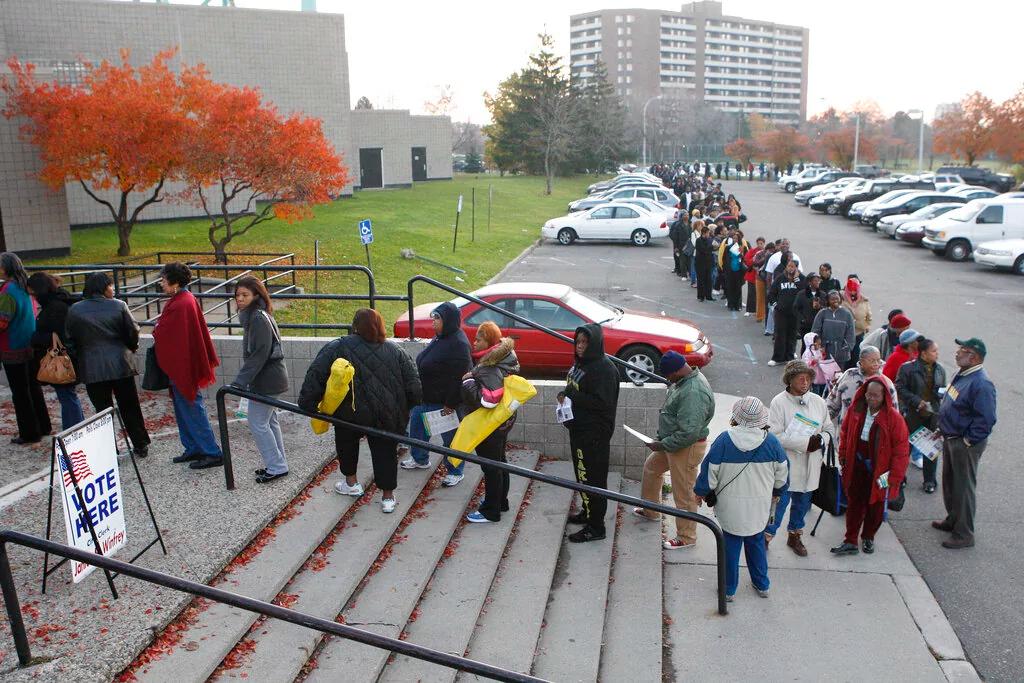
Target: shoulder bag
(829, 495)
(154, 378)
(56, 366)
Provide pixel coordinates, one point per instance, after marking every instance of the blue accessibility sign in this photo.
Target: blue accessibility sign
(366, 231)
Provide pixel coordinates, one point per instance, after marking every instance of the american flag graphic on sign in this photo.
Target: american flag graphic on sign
(79, 465)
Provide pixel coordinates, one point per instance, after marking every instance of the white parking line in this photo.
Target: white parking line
(612, 263)
(568, 263)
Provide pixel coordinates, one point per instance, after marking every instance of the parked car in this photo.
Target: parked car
(609, 221)
(870, 171)
(889, 224)
(956, 234)
(912, 231)
(669, 213)
(873, 190)
(789, 182)
(656, 193)
(857, 210)
(827, 177)
(906, 204)
(805, 196)
(605, 185)
(1002, 254)
(638, 338)
(973, 192)
(1000, 182)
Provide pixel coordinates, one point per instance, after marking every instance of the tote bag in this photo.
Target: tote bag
(56, 366)
(829, 496)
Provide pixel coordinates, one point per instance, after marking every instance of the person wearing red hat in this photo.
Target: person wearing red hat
(858, 304)
(887, 337)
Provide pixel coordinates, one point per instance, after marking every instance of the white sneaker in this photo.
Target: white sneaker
(410, 464)
(772, 363)
(344, 489)
(747, 314)
(387, 505)
(451, 480)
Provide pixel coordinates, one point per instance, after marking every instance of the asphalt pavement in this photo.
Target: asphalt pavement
(981, 590)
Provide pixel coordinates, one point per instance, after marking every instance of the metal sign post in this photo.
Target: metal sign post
(472, 213)
(458, 212)
(490, 196)
(366, 236)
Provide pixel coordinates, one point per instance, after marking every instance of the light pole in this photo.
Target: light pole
(856, 144)
(643, 117)
(920, 139)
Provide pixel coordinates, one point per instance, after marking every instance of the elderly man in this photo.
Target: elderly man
(841, 396)
(679, 449)
(887, 337)
(967, 415)
(800, 420)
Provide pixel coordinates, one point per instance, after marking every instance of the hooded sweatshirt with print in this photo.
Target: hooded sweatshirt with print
(593, 387)
(445, 359)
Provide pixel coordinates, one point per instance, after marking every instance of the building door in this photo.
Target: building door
(371, 167)
(419, 163)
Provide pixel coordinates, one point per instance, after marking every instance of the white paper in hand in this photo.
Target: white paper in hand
(437, 423)
(563, 410)
(643, 437)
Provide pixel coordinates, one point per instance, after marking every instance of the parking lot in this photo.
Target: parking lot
(979, 589)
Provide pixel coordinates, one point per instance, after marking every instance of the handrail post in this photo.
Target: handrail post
(225, 439)
(10, 593)
(723, 609)
(373, 289)
(412, 319)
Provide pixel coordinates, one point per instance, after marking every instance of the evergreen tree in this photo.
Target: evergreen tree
(601, 131)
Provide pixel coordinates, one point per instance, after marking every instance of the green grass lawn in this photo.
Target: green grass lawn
(420, 218)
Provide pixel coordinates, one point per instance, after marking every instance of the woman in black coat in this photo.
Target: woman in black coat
(917, 385)
(705, 257)
(54, 303)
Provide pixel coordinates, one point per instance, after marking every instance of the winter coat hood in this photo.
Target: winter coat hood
(809, 339)
(60, 295)
(451, 319)
(747, 439)
(595, 347)
(501, 355)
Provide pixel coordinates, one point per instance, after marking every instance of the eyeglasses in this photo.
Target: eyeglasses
(435, 316)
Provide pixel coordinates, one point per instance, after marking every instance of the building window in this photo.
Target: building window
(620, 45)
(618, 19)
(629, 67)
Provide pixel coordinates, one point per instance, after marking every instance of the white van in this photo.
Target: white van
(956, 234)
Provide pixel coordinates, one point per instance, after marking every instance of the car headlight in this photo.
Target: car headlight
(941, 234)
(998, 252)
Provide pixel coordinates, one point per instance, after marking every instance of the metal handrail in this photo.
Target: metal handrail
(21, 644)
(518, 318)
(229, 474)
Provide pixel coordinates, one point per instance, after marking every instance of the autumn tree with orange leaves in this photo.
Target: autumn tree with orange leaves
(967, 131)
(742, 150)
(783, 146)
(1008, 133)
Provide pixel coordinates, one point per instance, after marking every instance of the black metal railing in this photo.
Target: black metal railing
(24, 651)
(229, 475)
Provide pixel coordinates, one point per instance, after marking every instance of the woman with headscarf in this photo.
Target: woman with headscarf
(385, 385)
(858, 304)
(54, 304)
(17, 323)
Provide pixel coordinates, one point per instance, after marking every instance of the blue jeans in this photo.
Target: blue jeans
(266, 432)
(418, 431)
(757, 561)
(70, 407)
(194, 425)
(693, 270)
(797, 514)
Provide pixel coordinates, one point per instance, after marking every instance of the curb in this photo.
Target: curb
(935, 628)
(514, 261)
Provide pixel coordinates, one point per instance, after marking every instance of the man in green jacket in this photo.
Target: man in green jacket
(682, 440)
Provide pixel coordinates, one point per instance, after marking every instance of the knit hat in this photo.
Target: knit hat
(908, 335)
(750, 412)
(853, 285)
(794, 368)
(671, 362)
(899, 321)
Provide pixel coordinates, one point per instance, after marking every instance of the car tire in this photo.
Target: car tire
(958, 250)
(566, 236)
(791, 187)
(1018, 265)
(832, 209)
(643, 356)
(640, 238)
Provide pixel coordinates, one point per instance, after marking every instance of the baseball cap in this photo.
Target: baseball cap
(974, 344)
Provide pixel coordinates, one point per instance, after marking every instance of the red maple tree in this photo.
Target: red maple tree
(742, 150)
(966, 132)
(1008, 133)
(838, 146)
(783, 146)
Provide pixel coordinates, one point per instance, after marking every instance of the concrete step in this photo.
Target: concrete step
(569, 648)
(384, 604)
(277, 650)
(216, 631)
(510, 623)
(449, 608)
(635, 611)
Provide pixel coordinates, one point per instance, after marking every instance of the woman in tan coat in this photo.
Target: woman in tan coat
(860, 307)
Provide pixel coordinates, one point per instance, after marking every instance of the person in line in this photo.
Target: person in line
(680, 445)
(780, 256)
(734, 249)
(825, 367)
(887, 337)
(184, 351)
(761, 278)
(54, 303)
(783, 294)
(837, 329)
(904, 352)
(874, 451)
(441, 366)
(746, 469)
(704, 260)
(750, 276)
(828, 283)
(967, 416)
(840, 397)
(17, 323)
(103, 337)
(483, 387)
(677, 234)
(858, 304)
(383, 388)
(808, 302)
(593, 387)
(262, 372)
(801, 422)
(917, 384)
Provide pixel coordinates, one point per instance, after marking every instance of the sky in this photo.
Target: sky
(903, 54)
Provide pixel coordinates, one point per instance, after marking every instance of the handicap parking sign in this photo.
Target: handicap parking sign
(366, 231)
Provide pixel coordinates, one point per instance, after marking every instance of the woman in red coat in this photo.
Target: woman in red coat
(874, 451)
(751, 276)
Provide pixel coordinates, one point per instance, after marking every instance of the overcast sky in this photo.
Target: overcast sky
(904, 54)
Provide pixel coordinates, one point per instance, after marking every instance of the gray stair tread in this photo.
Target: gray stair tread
(635, 610)
(218, 628)
(281, 648)
(450, 607)
(384, 604)
(569, 648)
(510, 623)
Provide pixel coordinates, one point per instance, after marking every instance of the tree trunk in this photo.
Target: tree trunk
(124, 247)
(547, 171)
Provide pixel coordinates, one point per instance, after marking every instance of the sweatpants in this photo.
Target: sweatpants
(734, 289)
(862, 518)
(590, 462)
(757, 561)
(496, 480)
(683, 466)
(383, 453)
(959, 482)
(751, 297)
(785, 336)
(29, 405)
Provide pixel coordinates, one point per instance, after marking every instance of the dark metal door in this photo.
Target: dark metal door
(371, 171)
(419, 163)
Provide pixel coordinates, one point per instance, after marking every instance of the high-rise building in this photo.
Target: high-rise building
(737, 64)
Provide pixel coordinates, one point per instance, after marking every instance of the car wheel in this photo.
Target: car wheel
(832, 209)
(642, 356)
(1018, 265)
(791, 187)
(958, 250)
(640, 238)
(566, 236)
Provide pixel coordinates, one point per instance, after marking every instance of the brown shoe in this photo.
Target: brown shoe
(957, 542)
(796, 543)
(942, 526)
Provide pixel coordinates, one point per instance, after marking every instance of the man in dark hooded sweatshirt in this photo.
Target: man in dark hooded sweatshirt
(441, 366)
(593, 388)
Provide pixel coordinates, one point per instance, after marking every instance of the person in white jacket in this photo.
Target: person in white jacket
(801, 421)
(745, 470)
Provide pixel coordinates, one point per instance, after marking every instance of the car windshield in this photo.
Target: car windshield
(595, 310)
(964, 213)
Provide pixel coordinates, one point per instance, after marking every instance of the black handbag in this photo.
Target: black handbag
(896, 504)
(829, 495)
(154, 378)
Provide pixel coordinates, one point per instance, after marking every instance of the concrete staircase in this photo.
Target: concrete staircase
(514, 594)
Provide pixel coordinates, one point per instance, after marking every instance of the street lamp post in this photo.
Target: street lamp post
(643, 117)
(856, 144)
(920, 139)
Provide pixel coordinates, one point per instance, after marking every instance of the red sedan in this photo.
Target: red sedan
(638, 338)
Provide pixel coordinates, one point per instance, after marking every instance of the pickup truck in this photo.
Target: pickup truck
(973, 175)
